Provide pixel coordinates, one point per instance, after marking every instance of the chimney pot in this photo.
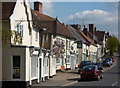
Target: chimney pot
(38, 6)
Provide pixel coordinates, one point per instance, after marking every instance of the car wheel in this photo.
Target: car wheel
(98, 78)
(101, 76)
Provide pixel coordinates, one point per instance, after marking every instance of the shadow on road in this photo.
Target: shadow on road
(73, 79)
(73, 72)
(111, 72)
(85, 80)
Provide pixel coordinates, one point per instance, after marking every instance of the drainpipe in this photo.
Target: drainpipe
(38, 69)
(66, 55)
(30, 71)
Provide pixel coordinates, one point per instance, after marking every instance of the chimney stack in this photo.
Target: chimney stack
(38, 6)
(85, 31)
(91, 28)
(95, 29)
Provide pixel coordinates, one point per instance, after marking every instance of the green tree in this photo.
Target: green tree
(7, 35)
(112, 44)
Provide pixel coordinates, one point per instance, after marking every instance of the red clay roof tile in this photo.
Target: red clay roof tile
(7, 9)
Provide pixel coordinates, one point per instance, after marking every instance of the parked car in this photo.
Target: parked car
(91, 72)
(106, 63)
(113, 59)
(84, 63)
(110, 60)
(100, 65)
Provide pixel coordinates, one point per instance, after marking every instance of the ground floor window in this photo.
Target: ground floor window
(16, 67)
(93, 57)
(58, 60)
(34, 65)
(68, 59)
(84, 57)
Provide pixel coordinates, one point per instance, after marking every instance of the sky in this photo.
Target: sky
(104, 15)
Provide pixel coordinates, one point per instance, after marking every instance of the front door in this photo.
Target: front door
(40, 69)
(16, 68)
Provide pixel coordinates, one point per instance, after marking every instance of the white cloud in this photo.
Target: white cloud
(94, 16)
(103, 20)
(48, 8)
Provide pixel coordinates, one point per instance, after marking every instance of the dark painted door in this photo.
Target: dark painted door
(40, 69)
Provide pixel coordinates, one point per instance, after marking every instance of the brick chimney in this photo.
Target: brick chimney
(85, 31)
(38, 6)
(91, 28)
(95, 29)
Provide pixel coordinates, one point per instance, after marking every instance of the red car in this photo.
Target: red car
(91, 72)
(113, 59)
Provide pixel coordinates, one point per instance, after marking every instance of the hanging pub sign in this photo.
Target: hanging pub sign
(79, 44)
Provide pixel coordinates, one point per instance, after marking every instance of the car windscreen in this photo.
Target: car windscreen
(89, 68)
(109, 59)
(105, 61)
(85, 63)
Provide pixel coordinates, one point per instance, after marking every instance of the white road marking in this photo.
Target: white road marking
(69, 83)
(114, 83)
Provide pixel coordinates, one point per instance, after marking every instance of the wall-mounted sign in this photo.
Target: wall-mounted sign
(79, 44)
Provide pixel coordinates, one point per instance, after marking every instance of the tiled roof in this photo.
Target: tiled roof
(51, 24)
(100, 35)
(7, 9)
(63, 30)
(81, 36)
(87, 38)
(77, 35)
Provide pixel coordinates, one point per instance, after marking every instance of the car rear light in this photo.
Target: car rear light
(82, 72)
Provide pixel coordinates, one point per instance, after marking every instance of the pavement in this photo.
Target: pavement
(66, 78)
(61, 78)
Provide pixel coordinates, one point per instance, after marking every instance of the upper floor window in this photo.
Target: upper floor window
(20, 30)
(36, 36)
(68, 43)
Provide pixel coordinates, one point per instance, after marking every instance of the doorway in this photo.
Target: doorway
(40, 78)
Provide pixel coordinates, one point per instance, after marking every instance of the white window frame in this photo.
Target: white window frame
(20, 29)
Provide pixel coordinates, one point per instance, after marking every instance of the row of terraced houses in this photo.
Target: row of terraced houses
(47, 44)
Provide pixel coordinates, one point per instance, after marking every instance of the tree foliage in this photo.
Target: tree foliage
(11, 35)
(112, 44)
(58, 50)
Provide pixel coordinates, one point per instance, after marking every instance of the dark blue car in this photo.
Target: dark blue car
(106, 63)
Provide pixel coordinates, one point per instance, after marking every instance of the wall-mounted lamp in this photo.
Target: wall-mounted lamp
(44, 29)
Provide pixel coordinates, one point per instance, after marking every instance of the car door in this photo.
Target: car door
(98, 71)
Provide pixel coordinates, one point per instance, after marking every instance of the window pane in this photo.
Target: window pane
(16, 61)
(34, 66)
(16, 67)
(17, 28)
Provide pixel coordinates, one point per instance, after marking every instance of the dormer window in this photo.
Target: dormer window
(20, 30)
